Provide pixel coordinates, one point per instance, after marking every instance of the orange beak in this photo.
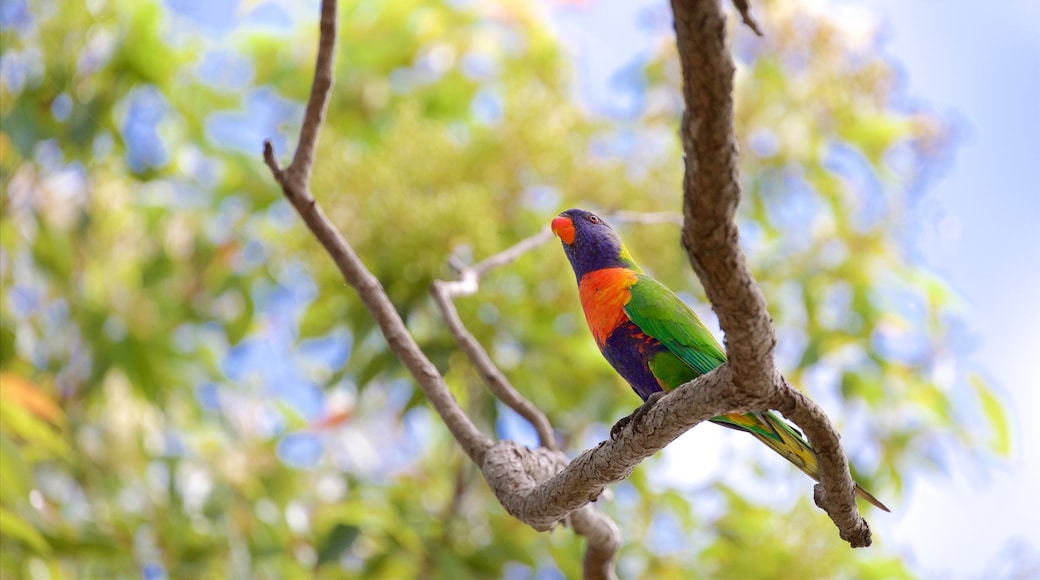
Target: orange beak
(563, 227)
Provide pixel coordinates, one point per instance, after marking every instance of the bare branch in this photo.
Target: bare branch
(303, 160)
(498, 384)
(272, 163)
(836, 486)
(496, 381)
(711, 193)
(511, 254)
(604, 538)
(745, 14)
(540, 498)
(711, 188)
(294, 182)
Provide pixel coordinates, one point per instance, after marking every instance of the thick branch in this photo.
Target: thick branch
(604, 538)
(711, 193)
(711, 188)
(541, 499)
(836, 486)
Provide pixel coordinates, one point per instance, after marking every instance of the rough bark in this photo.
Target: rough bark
(711, 193)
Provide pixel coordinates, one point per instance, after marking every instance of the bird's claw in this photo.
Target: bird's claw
(635, 417)
(618, 427)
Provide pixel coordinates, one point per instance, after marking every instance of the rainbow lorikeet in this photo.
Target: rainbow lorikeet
(653, 339)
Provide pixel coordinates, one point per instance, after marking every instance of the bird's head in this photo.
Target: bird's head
(589, 243)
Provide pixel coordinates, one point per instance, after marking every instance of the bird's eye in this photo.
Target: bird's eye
(593, 219)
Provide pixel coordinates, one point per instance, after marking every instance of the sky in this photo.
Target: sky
(979, 66)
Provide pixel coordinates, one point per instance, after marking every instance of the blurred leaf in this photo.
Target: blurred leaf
(7, 351)
(19, 422)
(339, 540)
(994, 412)
(241, 324)
(53, 250)
(15, 478)
(17, 390)
(14, 526)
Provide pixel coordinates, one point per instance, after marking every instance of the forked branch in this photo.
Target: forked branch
(711, 193)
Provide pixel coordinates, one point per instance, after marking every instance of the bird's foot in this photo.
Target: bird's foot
(636, 416)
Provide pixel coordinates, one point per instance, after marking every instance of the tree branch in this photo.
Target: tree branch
(303, 160)
(511, 254)
(497, 383)
(294, 181)
(745, 14)
(604, 539)
(711, 193)
(711, 187)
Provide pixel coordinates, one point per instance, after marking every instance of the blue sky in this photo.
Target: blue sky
(978, 65)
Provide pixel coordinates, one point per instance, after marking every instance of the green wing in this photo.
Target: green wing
(659, 313)
(693, 351)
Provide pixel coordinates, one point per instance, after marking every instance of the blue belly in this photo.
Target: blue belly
(630, 351)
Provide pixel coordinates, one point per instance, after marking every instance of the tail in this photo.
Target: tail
(785, 440)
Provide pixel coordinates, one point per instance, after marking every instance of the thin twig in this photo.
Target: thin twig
(495, 380)
(509, 255)
(294, 182)
(303, 160)
(745, 14)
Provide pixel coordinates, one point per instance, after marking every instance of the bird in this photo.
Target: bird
(653, 339)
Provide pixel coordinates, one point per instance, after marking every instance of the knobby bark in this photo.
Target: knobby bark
(711, 193)
(540, 486)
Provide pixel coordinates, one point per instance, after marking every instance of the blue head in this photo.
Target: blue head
(590, 244)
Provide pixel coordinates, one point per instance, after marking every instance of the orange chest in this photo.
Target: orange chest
(604, 294)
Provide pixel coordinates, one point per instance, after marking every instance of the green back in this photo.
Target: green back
(659, 313)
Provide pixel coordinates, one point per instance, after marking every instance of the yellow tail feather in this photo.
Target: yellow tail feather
(793, 448)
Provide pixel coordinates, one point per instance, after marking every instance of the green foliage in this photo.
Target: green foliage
(141, 265)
